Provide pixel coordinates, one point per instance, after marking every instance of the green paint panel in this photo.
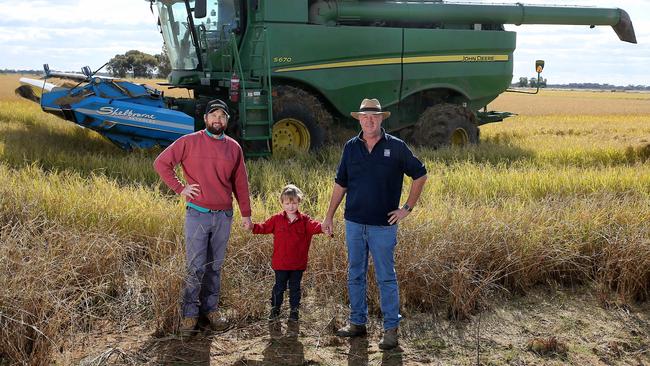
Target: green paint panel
(476, 64)
(290, 11)
(322, 49)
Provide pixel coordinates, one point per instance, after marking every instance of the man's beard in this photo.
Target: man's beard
(214, 131)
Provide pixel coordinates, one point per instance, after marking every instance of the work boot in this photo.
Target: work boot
(187, 326)
(389, 340)
(217, 322)
(352, 330)
(294, 315)
(275, 313)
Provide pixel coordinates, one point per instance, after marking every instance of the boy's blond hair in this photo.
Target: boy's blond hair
(291, 192)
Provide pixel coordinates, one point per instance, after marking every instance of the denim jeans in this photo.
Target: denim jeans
(293, 278)
(380, 241)
(206, 237)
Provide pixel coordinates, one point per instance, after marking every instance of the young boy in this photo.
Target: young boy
(292, 233)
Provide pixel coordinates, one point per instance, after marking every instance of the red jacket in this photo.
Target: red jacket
(290, 240)
(217, 166)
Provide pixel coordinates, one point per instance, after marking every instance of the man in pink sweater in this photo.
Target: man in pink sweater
(214, 170)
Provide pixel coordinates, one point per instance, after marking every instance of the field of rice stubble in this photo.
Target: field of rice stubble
(542, 230)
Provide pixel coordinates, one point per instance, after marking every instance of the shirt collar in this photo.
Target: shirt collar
(383, 135)
(217, 137)
(298, 216)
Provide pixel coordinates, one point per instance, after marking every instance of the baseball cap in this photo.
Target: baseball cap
(217, 104)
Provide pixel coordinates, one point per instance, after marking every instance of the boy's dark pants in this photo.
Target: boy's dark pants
(293, 278)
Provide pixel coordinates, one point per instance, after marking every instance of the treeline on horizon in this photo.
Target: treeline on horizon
(596, 86)
(561, 86)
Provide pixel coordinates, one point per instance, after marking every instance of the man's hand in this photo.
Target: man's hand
(247, 223)
(396, 216)
(328, 227)
(191, 190)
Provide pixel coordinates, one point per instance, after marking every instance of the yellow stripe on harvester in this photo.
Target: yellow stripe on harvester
(372, 62)
(456, 58)
(398, 60)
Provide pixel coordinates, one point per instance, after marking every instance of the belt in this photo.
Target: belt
(201, 209)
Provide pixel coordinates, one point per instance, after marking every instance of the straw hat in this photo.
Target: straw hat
(370, 106)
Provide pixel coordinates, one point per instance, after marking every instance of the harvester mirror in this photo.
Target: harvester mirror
(539, 66)
(87, 71)
(200, 9)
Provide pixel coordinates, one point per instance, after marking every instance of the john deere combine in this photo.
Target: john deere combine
(292, 69)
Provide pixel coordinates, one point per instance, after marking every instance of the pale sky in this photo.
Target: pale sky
(69, 34)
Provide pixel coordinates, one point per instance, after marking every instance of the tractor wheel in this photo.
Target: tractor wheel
(443, 125)
(301, 122)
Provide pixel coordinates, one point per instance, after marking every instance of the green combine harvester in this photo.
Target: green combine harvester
(292, 70)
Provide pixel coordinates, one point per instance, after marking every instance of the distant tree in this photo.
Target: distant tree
(542, 83)
(118, 66)
(164, 66)
(534, 83)
(141, 64)
(523, 82)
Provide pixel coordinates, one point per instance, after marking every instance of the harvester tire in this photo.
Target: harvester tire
(445, 124)
(303, 109)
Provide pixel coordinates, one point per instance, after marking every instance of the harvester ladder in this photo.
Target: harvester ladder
(255, 107)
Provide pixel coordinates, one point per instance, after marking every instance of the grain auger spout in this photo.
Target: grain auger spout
(329, 12)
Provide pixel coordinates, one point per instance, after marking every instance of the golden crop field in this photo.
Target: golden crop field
(555, 197)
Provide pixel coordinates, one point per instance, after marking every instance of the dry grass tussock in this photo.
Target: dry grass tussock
(75, 271)
(89, 238)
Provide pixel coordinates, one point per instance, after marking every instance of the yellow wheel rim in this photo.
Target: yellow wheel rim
(290, 134)
(459, 137)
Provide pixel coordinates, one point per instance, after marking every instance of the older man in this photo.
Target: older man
(213, 167)
(371, 172)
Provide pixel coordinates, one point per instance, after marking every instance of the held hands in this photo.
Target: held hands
(191, 191)
(328, 227)
(396, 216)
(247, 223)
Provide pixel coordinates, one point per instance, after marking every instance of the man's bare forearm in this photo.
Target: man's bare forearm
(416, 190)
(338, 193)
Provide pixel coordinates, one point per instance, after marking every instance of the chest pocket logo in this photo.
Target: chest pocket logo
(387, 153)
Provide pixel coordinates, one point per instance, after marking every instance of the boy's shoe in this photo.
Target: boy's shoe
(352, 330)
(294, 315)
(293, 329)
(217, 322)
(389, 340)
(187, 326)
(275, 314)
(275, 330)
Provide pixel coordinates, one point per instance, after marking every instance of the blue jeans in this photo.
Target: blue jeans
(206, 237)
(380, 241)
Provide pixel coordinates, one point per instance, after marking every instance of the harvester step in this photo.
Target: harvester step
(257, 154)
(257, 123)
(253, 84)
(256, 138)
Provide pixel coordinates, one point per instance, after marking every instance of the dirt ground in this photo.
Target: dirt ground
(546, 327)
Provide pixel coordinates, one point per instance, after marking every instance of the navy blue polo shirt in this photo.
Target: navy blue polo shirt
(374, 179)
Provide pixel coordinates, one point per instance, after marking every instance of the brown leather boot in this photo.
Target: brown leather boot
(389, 340)
(352, 330)
(217, 322)
(187, 326)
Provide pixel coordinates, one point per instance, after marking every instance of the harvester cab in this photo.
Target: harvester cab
(292, 70)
